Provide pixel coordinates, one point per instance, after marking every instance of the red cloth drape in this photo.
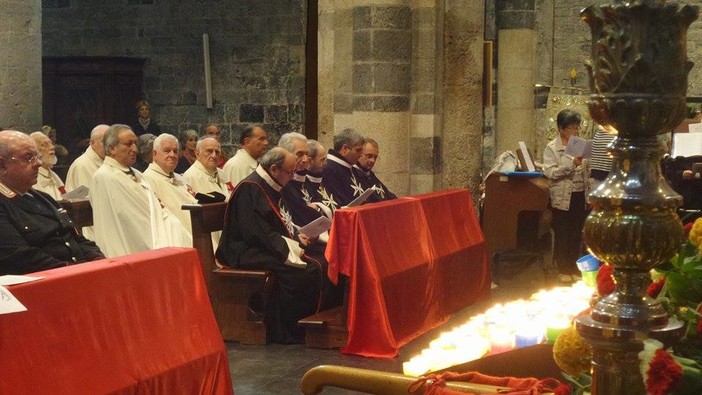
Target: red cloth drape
(412, 262)
(513, 385)
(141, 323)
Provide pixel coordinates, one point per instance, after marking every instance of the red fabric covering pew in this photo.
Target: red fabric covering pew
(412, 262)
(137, 324)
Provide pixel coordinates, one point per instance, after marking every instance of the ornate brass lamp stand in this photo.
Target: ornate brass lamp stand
(638, 80)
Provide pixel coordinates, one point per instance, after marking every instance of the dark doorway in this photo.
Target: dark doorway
(81, 92)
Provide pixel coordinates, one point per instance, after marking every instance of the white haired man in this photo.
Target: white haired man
(48, 181)
(82, 169)
(127, 215)
(169, 186)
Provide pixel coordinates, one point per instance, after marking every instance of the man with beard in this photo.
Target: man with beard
(127, 215)
(364, 172)
(169, 186)
(339, 179)
(318, 196)
(48, 181)
(36, 233)
(259, 235)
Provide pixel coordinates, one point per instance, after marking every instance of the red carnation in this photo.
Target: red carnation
(562, 389)
(605, 282)
(655, 288)
(663, 373)
(687, 227)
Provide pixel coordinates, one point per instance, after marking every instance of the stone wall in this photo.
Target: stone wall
(257, 52)
(20, 65)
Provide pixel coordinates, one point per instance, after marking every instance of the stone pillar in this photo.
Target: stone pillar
(462, 110)
(516, 69)
(20, 65)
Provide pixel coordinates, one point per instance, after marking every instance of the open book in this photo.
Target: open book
(316, 227)
(77, 194)
(686, 144)
(578, 146)
(362, 198)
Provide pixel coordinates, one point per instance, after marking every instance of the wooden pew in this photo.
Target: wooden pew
(239, 297)
(80, 212)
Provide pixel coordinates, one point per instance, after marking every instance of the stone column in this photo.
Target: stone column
(20, 65)
(516, 69)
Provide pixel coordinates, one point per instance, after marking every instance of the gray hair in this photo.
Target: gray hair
(275, 156)
(287, 140)
(185, 135)
(347, 137)
(205, 137)
(313, 148)
(111, 137)
(98, 132)
(163, 137)
(145, 144)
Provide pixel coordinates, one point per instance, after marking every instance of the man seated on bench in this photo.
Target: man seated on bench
(258, 234)
(36, 234)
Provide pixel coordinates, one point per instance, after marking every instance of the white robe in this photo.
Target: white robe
(81, 173)
(49, 182)
(82, 169)
(203, 182)
(239, 167)
(173, 192)
(127, 215)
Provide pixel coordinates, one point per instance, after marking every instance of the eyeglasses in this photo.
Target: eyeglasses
(28, 158)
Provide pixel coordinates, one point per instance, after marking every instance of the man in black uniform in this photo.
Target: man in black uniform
(36, 234)
(259, 234)
(338, 179)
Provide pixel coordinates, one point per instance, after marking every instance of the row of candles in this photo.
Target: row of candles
(503, 327)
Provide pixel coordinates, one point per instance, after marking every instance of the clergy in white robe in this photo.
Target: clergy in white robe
(254, 143)
(127, 215)
(82, 169)
(170, 187)
(47, 181)
(204, 176)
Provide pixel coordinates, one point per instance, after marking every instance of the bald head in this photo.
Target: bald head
(19, 161)
(96, 136)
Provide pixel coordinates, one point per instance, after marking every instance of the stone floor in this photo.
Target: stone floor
(277, 369)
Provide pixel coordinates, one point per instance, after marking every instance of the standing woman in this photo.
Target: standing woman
(569, 183)
(144, 124)
(188, 141)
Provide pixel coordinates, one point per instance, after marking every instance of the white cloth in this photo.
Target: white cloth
(82, 169)
(172, 191)
(127, 215)
(49, 182)
(239, 167)
(81, 173)
(203, 181)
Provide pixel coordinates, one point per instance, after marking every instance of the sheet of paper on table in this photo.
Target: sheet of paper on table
(8, 302)
(13, 279)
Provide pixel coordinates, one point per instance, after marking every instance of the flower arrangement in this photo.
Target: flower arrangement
(678, 285)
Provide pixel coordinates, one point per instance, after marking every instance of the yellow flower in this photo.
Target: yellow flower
(572, 353)
(696, 234)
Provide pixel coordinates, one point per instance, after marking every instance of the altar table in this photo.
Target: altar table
(138, 324)
(411, 262)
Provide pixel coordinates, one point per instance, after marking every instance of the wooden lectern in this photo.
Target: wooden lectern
(512, 210)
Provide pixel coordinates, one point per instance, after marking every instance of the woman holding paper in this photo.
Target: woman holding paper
(569, 182)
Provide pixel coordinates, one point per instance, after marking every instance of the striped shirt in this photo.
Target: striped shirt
(599, 159)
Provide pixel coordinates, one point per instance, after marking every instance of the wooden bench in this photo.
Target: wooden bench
(80, 212)
(239, 297)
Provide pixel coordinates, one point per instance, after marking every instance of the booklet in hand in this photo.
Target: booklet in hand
(362, 198)
(316, 227)
(578, 146)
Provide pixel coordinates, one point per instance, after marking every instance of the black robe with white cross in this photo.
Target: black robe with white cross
(368, 179)
(252, 238)
(339, 180)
